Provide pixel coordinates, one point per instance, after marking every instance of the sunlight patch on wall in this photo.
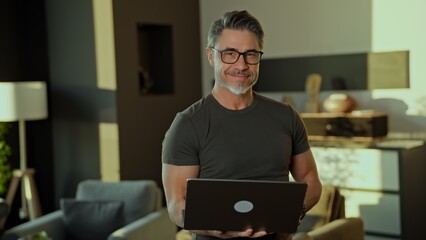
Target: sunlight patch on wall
(389, 93)
(356, 168)
(412, 100)
(109, 152)
(104, 44)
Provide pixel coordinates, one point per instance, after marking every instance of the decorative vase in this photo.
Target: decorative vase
(339, 103)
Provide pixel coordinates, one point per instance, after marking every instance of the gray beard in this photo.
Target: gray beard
(239, 90)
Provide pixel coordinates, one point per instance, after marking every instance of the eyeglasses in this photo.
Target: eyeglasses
(251, 57)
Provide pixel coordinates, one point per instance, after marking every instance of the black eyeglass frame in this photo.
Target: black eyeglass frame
(239, 55)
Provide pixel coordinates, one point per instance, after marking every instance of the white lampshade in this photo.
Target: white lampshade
(22, 101)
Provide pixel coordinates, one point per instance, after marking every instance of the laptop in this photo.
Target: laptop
(235, 205)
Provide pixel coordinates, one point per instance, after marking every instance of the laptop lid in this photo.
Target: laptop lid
(235, 205)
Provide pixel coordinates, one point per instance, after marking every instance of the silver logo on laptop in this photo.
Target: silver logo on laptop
(243, 206)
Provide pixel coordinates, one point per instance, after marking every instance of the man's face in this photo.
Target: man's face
(240, 76)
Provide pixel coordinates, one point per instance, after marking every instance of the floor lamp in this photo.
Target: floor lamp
(23, 101)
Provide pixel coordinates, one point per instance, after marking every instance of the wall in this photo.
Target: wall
(300, 28)
(399, 25)
(103, 128)
(77, 105)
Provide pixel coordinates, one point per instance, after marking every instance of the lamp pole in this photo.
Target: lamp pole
(30, 206)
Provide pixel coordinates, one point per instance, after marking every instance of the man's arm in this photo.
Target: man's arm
(304, 169)
(174, 182)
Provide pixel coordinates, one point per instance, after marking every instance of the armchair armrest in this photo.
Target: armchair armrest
(342, 228)
(51, 223)
(156, 225)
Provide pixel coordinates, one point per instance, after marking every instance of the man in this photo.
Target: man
(234, 133)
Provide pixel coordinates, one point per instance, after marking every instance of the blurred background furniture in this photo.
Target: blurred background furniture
(330, 207)
(4, 211)
(21, 102)
(380, 181)
(339, 229)
(105, 210)
(327, 220)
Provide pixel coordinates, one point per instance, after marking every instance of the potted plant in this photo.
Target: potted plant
(5, 168)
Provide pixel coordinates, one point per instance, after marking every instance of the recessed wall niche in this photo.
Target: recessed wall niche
(155, 59)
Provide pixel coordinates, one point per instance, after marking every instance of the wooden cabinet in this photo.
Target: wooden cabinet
(383, 183)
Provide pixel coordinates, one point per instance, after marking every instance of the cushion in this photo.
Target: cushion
(131, 192)
(91, 220)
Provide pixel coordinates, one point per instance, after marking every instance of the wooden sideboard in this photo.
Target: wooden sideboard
(383, 183)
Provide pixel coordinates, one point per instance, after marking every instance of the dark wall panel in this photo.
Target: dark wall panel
(144, 118)
(357, 71)
(347, 71)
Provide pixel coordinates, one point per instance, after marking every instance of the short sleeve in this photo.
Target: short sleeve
(180, 144)
(300, 135)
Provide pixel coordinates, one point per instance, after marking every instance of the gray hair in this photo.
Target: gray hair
(237, 20)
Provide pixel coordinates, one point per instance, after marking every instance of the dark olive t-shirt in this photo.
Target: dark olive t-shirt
(253, 143)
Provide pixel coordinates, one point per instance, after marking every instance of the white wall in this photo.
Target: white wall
(315, 27)
(399, 25)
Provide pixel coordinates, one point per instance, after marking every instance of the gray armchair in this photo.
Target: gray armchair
(105, 210)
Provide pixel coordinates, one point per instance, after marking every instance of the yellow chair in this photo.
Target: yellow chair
(339, 229)
(326, 220)
(331, 206)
